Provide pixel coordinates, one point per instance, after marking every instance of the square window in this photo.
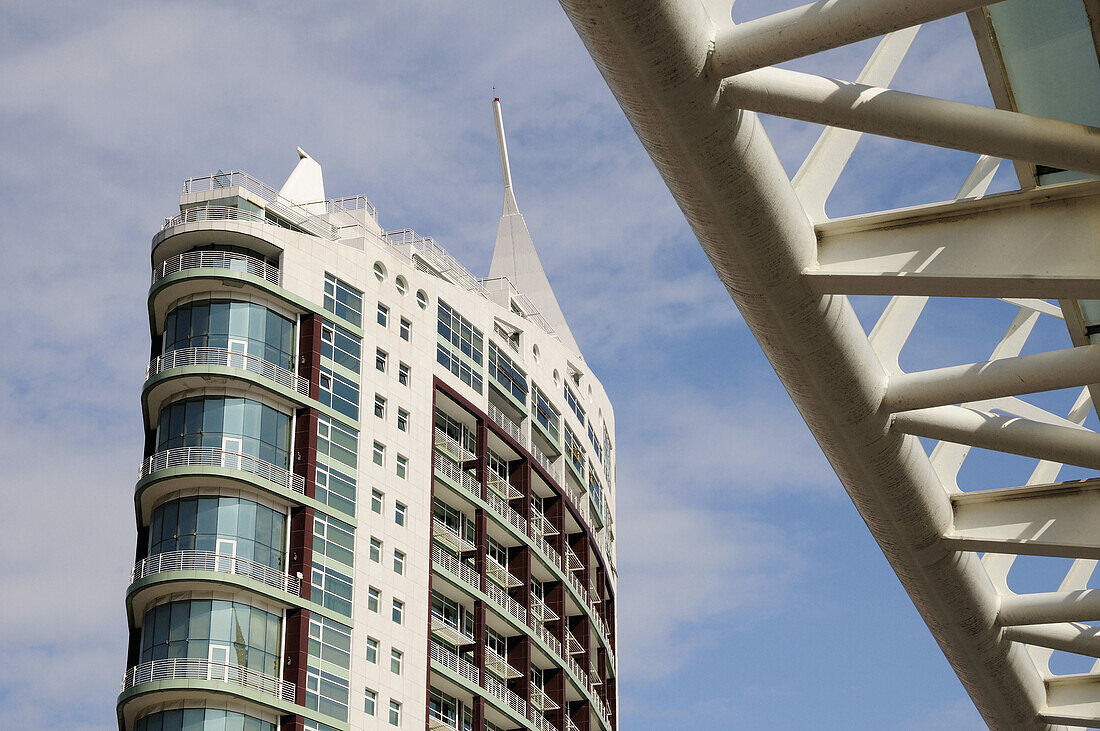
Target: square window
(380, 358)
(376, 501)
(398, 562)
(372, 650)
(374, 596)
(406, 329)
(398, 611)
(396, 658)
(383, 315)
(375, 550)
(379, 406)
(403, 374)
(402, 466)
(379, 454)
(369, 700)
(399, 511)
(402, 420)
(395, 713)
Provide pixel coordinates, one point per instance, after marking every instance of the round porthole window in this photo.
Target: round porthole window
(379, 271)
(402, 285)
(422, 299)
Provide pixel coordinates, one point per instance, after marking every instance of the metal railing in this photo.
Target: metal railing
(454, 663)
(458, 475)
(550, 640)
(294, 213)
(547, 550)
(449, 537)
(540, 700)
(541, 525)
(500, 574)
(542, 459)
(501, 508)
(506, 602)
(539, 721)
(504, 422)
(438, 722)
(449, 632)
(229, 359)
(213, 457)
(540, 611)
(456, 568)
(570, 726)
(576, 668)
(437, 258)
(499, 665)
(573, 560)
(579, 588)
(575, 646)
(577, 498)
(601, 710)
(447, 444)
(216, 260)
(196, 669)
(212, 213)
(500, 691)
(188, 560)
(502, 487)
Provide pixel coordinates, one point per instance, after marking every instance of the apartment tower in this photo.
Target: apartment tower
(377, 491)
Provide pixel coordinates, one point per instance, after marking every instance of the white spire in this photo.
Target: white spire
(514, 255)
(305, 185)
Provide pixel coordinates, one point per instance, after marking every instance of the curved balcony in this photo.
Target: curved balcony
(212, 213)
(216, 260)
(227, 359)
(215, 562)
(213, 457)
(197, 669)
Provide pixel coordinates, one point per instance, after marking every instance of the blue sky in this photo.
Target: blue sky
(751, 594)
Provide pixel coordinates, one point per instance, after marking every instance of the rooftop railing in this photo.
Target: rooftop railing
(188, 560)
(213, 457)
(196, 669)
(212, 213)
(216, 260)
(229, 359)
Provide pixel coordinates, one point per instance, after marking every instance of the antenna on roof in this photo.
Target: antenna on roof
(510, 205)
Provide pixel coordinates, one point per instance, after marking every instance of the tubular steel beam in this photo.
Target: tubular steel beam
(729, 183)
(818, 27)
(992, 379)
(916, 118)
(1081, 639)
(1049, 607)
(1014, 435)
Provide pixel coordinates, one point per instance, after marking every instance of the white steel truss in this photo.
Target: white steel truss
(690, 82)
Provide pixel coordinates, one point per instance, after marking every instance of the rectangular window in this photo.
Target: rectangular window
(461, 333)
(375, 550)
(326, 693)
(340, 346)
(335, 489)
(381, 359)
(595, 490)
(574, 450)
(574, 403)
(403, 374)
(402, 466)
(343, 300)
(370, 700)
(546, 414)
(455, 365)
(372, 650)
(396, 658)
(395, 713)
(334, 539)
(383, 315)
(342, 394)
(379, 454)
(329, 641)
(380, 406)
(374, 596)
(336, 441)
(399, 512)
(376, 501)
(399, 562)
(507, 373)
(406, 329)
(331, 589)
(402, 420)
(595, 442)
(398, 611)
(607, 454)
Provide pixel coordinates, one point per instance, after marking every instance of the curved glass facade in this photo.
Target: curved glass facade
(218, 630)
(244, 327)
(229, 525)
(226, 422)
(201, 719)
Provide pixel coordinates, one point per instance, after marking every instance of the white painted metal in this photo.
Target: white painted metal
(663, 60)
(215, 561)
(197, 669)
(229, 359)
(819, 26)
(916, 118)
